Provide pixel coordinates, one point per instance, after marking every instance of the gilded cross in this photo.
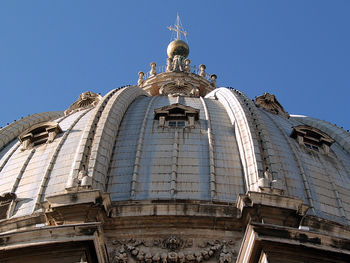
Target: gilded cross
(177, 28)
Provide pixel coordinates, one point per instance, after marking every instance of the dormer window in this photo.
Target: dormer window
(6, 204)
(176, 116)
(312, 138)
(39, 134)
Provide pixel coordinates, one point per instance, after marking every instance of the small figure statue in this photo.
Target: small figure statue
(161, 91)
(82, 173)
(202, 70)
(194, 92)
(168, 65)
(268, 175)
(187, 65)
(213, 80)
(141, 78)
(178, 63)
(83, 178)
(153, 71)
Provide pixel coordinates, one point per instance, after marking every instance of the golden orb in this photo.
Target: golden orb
(178, 47)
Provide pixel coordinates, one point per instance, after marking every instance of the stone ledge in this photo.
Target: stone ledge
(266, 199)
(174, 208)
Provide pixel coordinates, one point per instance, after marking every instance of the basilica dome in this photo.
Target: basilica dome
(173, 152)
(230, 146)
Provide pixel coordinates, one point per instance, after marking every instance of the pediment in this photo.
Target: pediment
(311, 134)
(176, 110)
(44, 132)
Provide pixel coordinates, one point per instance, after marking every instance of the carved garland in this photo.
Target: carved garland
(171, 250)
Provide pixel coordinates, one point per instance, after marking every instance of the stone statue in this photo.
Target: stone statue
(161, 90)
(194, 92)
(141, 78)
(178, 63)
(168, 64)
(213, 80)
(202, 70)
(268, 175)
(187, 65)
(153, 71)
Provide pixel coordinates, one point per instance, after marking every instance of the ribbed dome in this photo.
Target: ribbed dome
(122, 147)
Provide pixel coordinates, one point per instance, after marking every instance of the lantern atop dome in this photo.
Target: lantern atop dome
(178, 77)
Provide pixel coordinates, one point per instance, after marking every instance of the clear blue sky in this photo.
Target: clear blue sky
(51, 51)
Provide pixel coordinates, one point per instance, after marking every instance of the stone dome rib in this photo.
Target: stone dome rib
(91, 149)
(295, 169)
(140, 139)
(247, 142)
(107, 129)
(212, 179)
(52, 161)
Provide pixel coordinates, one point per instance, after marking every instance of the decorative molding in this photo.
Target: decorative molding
(171, 249)
(173, 243)
(86, 100)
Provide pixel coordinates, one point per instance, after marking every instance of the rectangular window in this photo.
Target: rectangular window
(172, 123)
(177, 123)
(180, 124)
(312, 147)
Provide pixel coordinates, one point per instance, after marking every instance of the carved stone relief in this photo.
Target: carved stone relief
(172, 249)
(86, 100)
(179, 86)
(269, 102)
